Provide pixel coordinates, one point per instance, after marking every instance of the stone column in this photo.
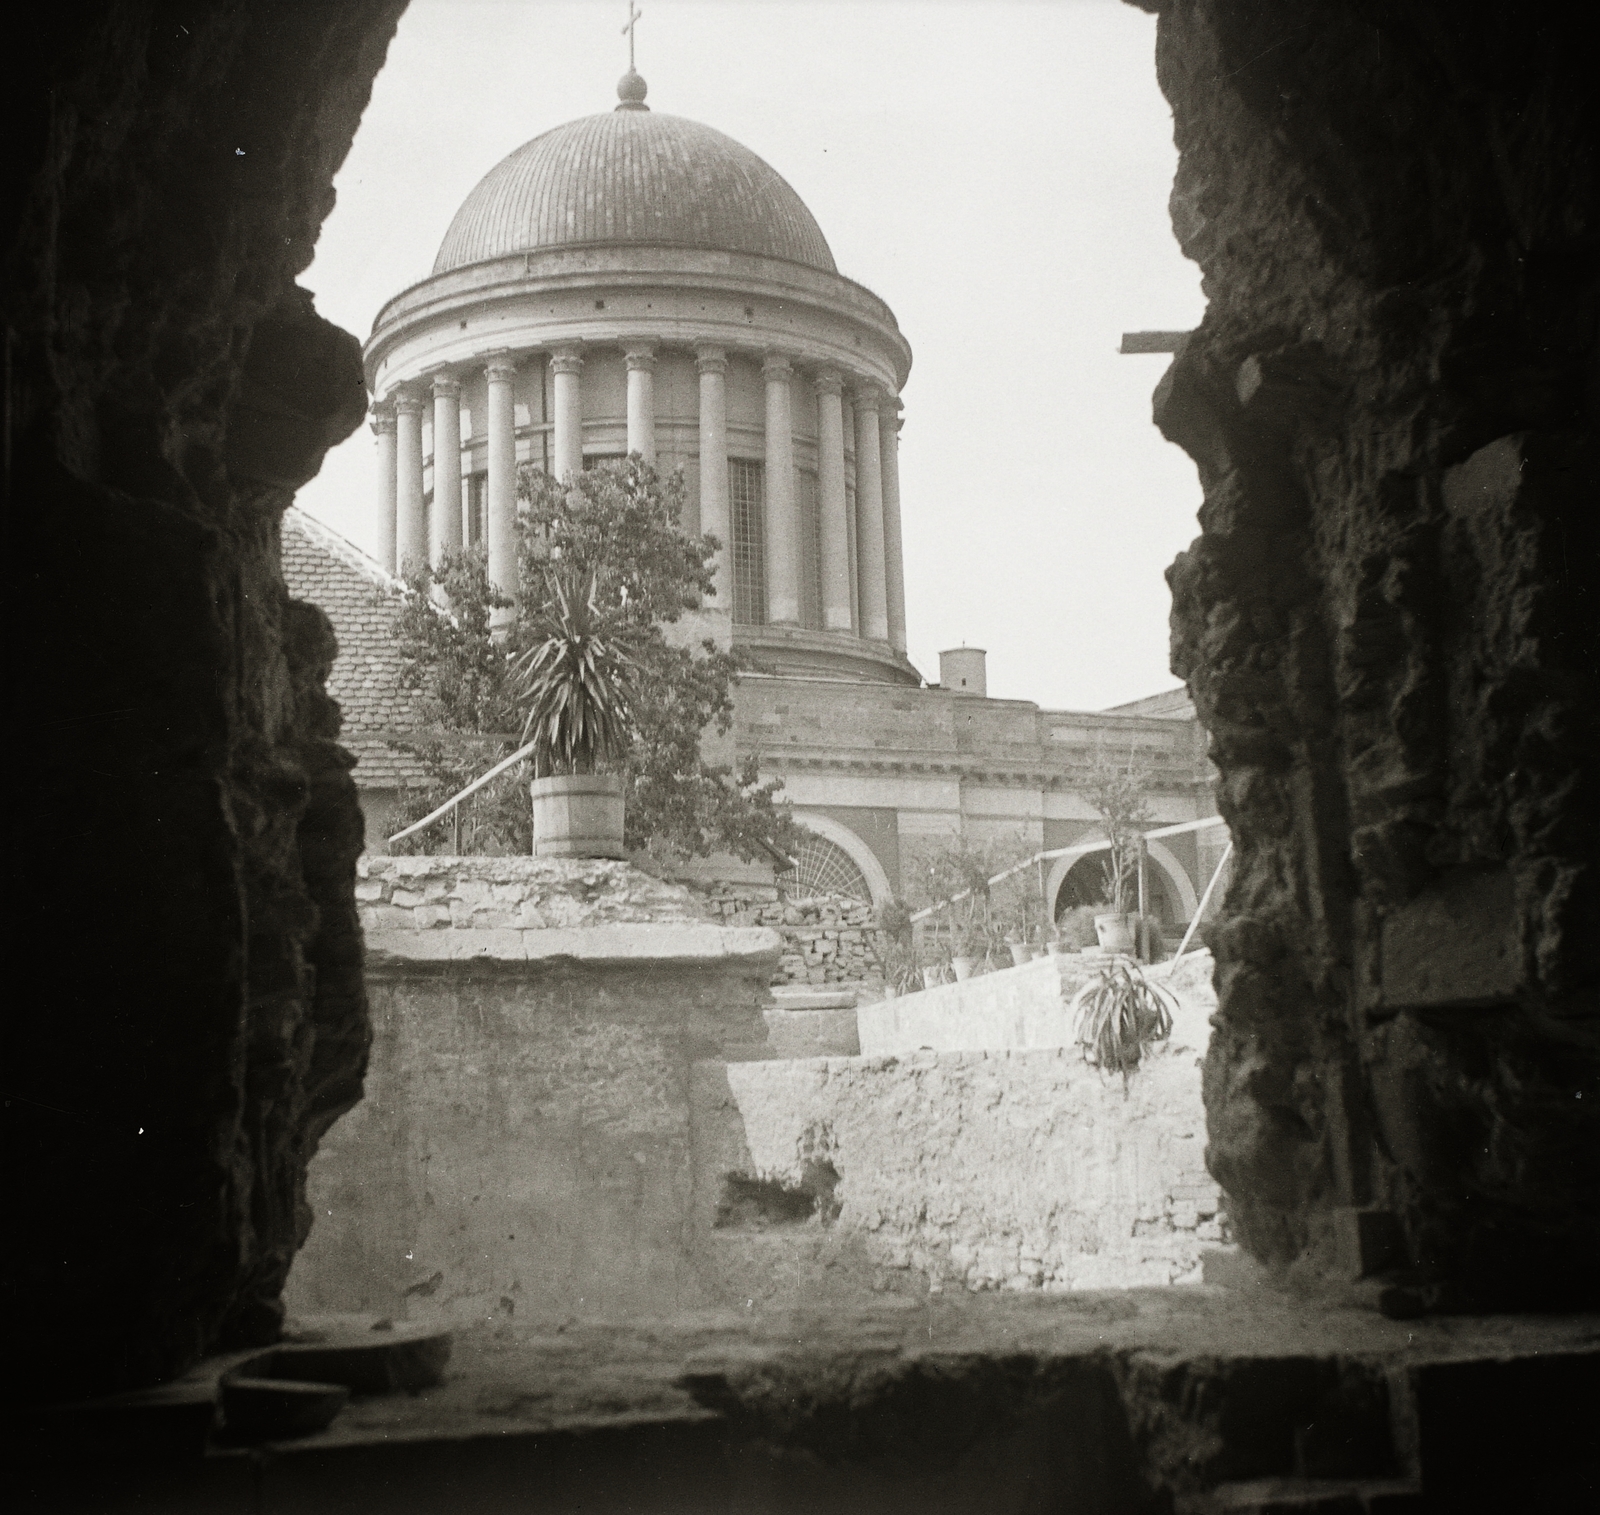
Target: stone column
(444, 524)
(501, 372)
(383, 430)
(833, 503)
(894, 571)
(411, 534)
(641, 359)
(869, 517)
(782, 508)
(712, 365)
(567, 453)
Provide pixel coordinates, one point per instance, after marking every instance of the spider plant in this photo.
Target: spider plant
(576, 680)
(1119, 1014)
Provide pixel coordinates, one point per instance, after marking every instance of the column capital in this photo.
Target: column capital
(710, 358)
(406, 403)
(828, 381)
(500, 366)
(640, 354)
(383, 419)
(777, 365)
(445, 385)
(867, 394)
(568, 358)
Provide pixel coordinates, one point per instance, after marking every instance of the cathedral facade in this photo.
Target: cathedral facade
(637, 282)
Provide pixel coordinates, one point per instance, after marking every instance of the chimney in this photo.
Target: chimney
(961, 670)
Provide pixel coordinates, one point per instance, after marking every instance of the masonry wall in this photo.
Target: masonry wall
(970, 1170)
(408, 894)
(523, 1148)
(826, 942)
(1386, 623)
(168, 387)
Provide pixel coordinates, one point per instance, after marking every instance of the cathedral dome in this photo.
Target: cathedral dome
(633, 176)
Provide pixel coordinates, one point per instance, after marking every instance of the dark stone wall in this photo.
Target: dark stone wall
(173, 1059)
(1387, 623)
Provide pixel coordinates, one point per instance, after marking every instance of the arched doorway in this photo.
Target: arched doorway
(1169, 893)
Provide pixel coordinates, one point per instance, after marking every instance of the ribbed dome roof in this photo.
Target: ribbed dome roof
(633, 176)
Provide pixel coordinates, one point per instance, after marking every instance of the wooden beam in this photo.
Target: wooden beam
(1151, 341)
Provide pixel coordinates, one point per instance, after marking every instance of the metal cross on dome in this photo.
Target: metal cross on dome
(634, 13)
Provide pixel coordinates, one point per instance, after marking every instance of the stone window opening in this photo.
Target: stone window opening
(1421, 920)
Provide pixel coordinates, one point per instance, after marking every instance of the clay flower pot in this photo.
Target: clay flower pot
(1020, 953)
(963, 967)
(577, 815)
(1114, 932)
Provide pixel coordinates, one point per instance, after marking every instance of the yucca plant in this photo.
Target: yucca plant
(576, 681)
(1119, 1014)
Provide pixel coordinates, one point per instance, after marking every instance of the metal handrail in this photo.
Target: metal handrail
(1082, 850)
(472, 788)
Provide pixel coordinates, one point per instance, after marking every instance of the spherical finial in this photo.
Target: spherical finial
(631, 90)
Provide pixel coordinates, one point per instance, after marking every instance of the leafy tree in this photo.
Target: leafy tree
(1117, 792)
(618, 527)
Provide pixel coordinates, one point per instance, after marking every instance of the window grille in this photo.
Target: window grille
(850, 542)
(825, 868)
(476, 524)
(810, 550)
(746, 506)
(595, 459)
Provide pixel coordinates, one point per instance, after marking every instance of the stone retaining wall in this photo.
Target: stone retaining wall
(826, 941)
(1026, 1006)
(982, 1152)
(523, 1149)
(513, 893)
(973, 1170)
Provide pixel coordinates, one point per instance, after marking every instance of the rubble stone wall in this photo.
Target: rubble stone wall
(512, 893)
(1386, 625)
(827, 941)
(168, 388)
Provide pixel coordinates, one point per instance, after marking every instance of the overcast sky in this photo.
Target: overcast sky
(997, 171)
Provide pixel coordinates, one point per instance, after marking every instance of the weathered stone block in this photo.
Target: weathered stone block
(1454, 944)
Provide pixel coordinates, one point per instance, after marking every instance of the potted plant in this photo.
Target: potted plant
(899, 968)
(576, 682)
(1119, 1014)
(1111, 923)
(1076, 930)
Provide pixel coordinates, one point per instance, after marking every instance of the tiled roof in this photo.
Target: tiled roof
(1169, 705)
(360, 598)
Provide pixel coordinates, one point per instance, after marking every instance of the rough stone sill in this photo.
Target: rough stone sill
(686, 1373)
(666, 946)
(812, 999)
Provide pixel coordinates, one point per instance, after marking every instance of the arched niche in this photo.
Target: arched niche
(858, 851)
